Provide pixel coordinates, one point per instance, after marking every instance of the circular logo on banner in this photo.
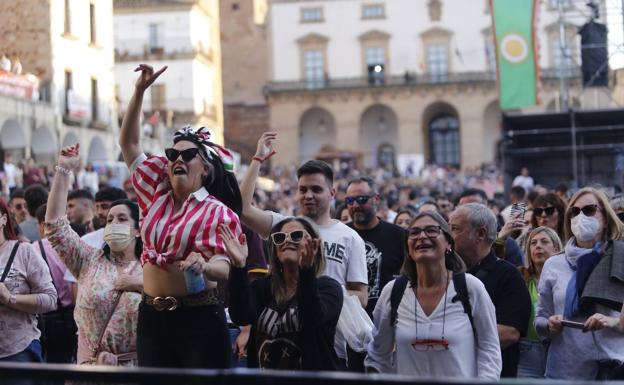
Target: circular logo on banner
(514, 48)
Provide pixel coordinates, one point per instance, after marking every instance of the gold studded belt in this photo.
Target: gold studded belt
(169, 303)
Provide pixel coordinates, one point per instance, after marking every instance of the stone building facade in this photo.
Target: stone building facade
(245, 58)
(389, 82)
(68, 45)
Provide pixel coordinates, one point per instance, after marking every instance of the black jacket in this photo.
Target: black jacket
(319, 302)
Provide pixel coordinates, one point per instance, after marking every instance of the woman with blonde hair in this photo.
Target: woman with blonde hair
(294, 310)
(586, 278)
(541, 244)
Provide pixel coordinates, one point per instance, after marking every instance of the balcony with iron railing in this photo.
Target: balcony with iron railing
(406, 80)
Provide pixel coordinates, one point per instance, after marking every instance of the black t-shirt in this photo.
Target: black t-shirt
(512, 301)
(385, 250)
(278, 337)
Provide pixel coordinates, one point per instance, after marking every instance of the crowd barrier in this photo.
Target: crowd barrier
(46, 374)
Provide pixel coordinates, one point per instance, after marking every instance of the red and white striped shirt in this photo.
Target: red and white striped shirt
(169, 236)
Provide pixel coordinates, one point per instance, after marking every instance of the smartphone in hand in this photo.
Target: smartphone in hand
(518, 210)
(573, 324)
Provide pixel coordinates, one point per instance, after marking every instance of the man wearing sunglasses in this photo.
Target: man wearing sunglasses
(344, 249)
(17, 203)
(384, 241)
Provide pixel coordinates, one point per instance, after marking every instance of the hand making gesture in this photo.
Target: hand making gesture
(147, 76)
(237, 251)
(265, 146)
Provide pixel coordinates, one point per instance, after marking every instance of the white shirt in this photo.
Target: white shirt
(10, 171)
(94, 238)
(524, 181)
(462, 360)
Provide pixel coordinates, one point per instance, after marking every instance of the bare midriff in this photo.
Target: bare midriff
(159, 282)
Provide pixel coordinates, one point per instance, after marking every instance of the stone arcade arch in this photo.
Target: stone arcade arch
(317, 130)
(379, 136)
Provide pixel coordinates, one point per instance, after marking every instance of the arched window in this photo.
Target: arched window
(444, 140)
(386, 157)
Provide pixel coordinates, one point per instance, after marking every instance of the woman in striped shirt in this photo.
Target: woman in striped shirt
(183, 198)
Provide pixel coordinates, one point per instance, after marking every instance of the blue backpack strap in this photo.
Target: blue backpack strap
(459, 281)
(400, 283)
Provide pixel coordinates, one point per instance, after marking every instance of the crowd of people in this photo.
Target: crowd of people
(188, 268)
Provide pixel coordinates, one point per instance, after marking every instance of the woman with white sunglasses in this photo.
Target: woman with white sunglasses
(294, 310)
(586, 278)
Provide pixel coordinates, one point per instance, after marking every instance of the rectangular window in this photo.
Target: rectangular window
(92, 23)
(555, 3)
(68, 87)
(373, 11)
(562, 58)
(437, 60)
(314, 68)
(67, 27)
(155, 36)
(94, 100)
(158, 97)
(311, 15)
(490, 55)
(375, 55)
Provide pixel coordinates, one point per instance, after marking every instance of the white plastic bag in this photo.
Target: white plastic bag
(354, 323)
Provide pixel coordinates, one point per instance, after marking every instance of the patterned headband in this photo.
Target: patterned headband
(201, 135)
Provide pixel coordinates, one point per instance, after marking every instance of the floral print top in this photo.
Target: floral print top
(96, 277)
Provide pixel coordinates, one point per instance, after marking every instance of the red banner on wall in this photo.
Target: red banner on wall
(19, 86)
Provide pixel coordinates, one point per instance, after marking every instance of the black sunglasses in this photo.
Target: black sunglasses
(550, 210)
(430, 231)
(360, 199)
(295, 236)
(187, 155)
(589, 210)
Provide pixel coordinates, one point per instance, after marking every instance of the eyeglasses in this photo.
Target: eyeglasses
(435, 345)
(430, 231)
(589, 210)
(359, 199)
(187, 155)
(550, 210)
(294, 236)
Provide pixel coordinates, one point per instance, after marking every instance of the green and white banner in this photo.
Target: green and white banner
(516, 53)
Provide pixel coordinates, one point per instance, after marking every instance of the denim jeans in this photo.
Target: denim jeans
(188, 337)
(532, 363)
(236, 362)
(31, 354)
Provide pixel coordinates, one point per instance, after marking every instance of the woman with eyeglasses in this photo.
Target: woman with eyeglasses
(183, 198)
(587, 277)
(542, 243)
(432, 334)
(293, 311)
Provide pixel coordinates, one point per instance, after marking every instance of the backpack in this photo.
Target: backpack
(459, 281)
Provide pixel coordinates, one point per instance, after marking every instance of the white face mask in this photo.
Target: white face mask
(585, 228)
(117, 236)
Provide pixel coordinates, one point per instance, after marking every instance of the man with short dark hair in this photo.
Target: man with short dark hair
(473, 227)
(385, 242)
(103, 200)
(17, 204)
(80, 208)
(344, 249)
(472, 195)
(35, 195)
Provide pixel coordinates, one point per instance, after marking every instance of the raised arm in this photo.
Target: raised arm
(130, 135)
(74, 253)
(68, 162)
(258, 220)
